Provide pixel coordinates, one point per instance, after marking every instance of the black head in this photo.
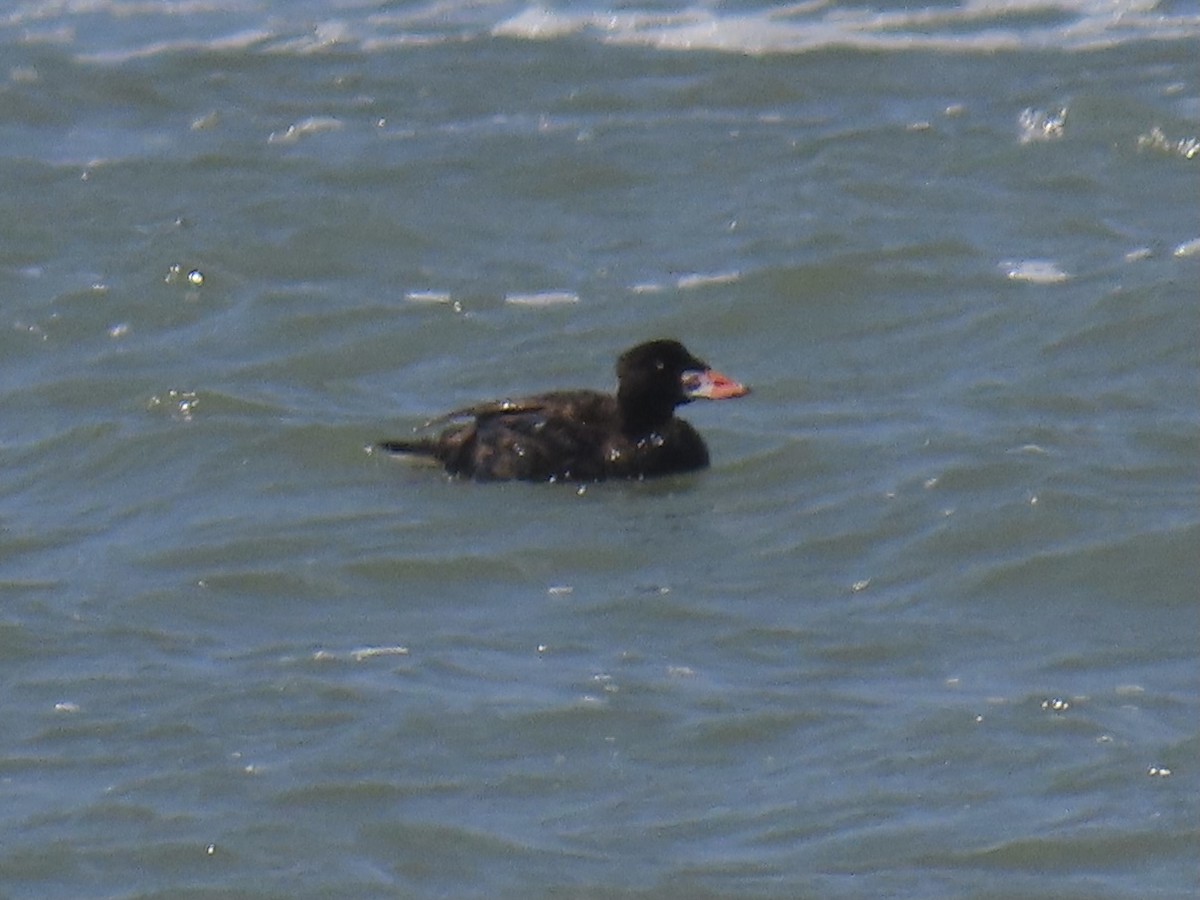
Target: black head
(657, 376)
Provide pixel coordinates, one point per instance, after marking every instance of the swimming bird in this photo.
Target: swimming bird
(585, 435)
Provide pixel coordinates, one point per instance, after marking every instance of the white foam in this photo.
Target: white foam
(360, 654)
(321, 38)
(1041, 125)
(1188, 148)
(544, 298)
(305, 128)
(1188, 248)
(647, 287)
(972, 26)
(968, 26)
(363, 653)
(1035, 271)
(428, 296)
(704, 279)
(241, 40)
(537, 23)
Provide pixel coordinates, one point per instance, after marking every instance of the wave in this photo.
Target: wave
(972, 26)
(115, 31)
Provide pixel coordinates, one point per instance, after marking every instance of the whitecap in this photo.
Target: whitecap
(537, 23)
(544, 298)
(206, 122)
(305, 128)
(241, 40)
(983, 26)
(363, 653)
(1157, 140)
(1188, 248)
(647, 287)
(703, 279)
(1035, 271)
(321, 38)
(428, 297)
(1041, 125)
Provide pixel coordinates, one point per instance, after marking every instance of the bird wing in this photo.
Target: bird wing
(489, 409)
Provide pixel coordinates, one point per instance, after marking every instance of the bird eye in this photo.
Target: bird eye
(659, 365)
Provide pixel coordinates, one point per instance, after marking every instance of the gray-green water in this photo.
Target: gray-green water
(927, 627)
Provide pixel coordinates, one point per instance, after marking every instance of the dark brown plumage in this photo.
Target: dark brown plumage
(586, 435)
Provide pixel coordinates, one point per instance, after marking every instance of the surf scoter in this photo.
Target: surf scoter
(585, 435)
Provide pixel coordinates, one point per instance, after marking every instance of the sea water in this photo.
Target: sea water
(926, 628)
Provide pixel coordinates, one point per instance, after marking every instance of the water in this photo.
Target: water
(927, 628)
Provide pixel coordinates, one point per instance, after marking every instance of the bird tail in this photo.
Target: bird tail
(419, 446)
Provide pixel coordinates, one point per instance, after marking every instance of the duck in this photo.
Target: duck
(584, 435)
